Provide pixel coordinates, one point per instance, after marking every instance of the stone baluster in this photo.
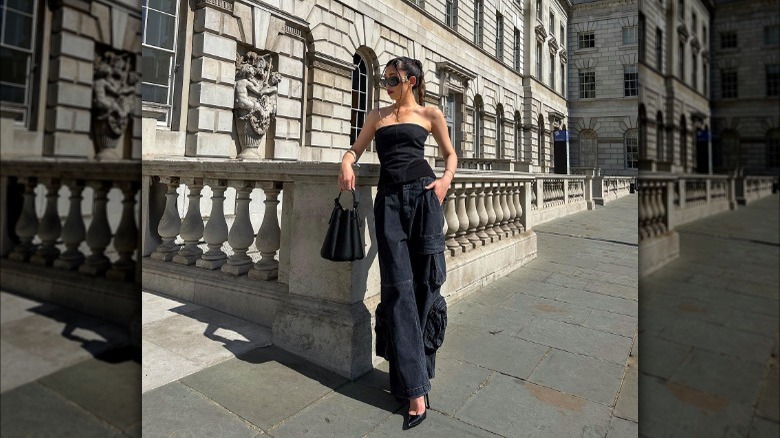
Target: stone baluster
(73, 232)
(518, 222)
(507, 216)
(170, 223)
(216, 231)
(99, 232)
(483, 215)
(499, 212)
(463, 219)
(534, 202)
(661, 209)
(126, 236)
(269, 236)
(27, 224)
(192, 225)
(510, 202)
(453, 224)
(241, 234)
(471, 211)
(49, 227)
(641, 210)
(491, 213)
(540, 193)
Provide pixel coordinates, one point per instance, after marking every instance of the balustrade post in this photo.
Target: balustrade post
(170, 223)
(269, 235)
(731, 193)
(491, 212)
(49, 227)
(463, 219)
(153, 206)
(471, 211)
(482, 213)
(525, 200)
(499, 212)
(192, 225)
(707, 190)
(451, 217)
(73, 232)
(510, 202)
(27, 224)
(241, 234)
(517, 187)
(215, 232)
(682, 187)
(98, 233)
(540, 183)
(565, 191)
(126, 236)
(506, 216)
(667, 203)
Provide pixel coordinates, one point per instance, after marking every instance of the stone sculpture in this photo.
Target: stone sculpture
(255, 101)
(113, 100)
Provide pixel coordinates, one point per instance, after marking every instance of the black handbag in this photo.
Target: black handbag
(343, 241)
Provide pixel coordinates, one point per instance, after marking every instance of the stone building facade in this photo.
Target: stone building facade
(745, 93)
(674, 112)
(479, 56)
(603, 96)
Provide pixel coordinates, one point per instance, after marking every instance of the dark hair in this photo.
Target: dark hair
(412, 67)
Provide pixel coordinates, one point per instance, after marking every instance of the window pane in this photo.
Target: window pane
(10, 93)
(14, 66)
(21, 5)
(159, 30)
(168, 6)
(18, 30)
(154, 93)
(156, 66)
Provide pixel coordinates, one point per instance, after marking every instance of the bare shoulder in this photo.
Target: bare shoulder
(432, 113)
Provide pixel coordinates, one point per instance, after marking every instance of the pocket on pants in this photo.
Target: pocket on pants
(429, 224)
(438, 271)
(435, 325)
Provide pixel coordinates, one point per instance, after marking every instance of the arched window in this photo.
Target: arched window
(773, 148)
(631, 142)
(479, 127)
(660, 153)
(518, 137)
(359, 97)
(499, 131)
(589, 141)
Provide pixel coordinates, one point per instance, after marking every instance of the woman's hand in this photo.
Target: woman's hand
(346, 178)
(440, 187)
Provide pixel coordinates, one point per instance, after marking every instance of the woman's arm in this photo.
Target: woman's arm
(347, 175)
(442, 136)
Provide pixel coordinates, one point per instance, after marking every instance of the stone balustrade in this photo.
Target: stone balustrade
(60, 251)
(752, 188)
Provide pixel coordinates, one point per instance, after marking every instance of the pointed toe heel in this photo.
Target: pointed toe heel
(415, 420)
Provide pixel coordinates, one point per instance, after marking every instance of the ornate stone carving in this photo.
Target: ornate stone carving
(113, 99)
(255, 101)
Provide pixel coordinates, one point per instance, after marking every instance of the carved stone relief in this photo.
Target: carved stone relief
(255, 101)
(113, 100)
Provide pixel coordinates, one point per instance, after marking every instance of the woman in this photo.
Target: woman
(409, 222)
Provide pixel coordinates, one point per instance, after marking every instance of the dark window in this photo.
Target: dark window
(728, 83)
(518, 50)
(728, 40)
(773, 80)
(586, 40)
(17, 43)
(632, 149)
(772, 35)
(359, 97)
(659, 49)
(499, 36)
(552, 71)
(479, 21)
(681, 61)
(630, 80)
(451, 13)
(539, 61)
(587, 84)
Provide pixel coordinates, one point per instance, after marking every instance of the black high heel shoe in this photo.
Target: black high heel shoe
(415, 420)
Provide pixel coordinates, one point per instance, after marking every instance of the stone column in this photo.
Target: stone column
(126, 236)
(192, 226)
(213, 75)
(98, 233)
(169, 224)
(74, 232)
(241, 233)
(216, 231)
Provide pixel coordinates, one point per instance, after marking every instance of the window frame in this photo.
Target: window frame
(768, 33)
(729, 40)
(632, 32)
(451, 13)
(552, 71)
(163, 111)
(633, 135)
(659, 48)
(517, 50)
(479, 22)
(772, 80)
(539, 69)
(587, 83)
(21, 111)
(499, 36)
(355, 126)
(630, 80)
(729, 84)
(586, 40)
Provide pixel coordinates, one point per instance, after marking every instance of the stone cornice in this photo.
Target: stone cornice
(458, 70)
(541, 33)
(331, 64)
(222, 5)
(553, 44)
(564, 56)
(682, 31)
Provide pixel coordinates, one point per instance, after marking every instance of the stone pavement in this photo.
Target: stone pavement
(709, 329)
(547, 351)
(65, 374)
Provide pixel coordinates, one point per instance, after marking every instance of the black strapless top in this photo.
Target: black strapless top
(401, 150)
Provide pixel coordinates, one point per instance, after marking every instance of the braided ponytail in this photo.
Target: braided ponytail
(420, 83)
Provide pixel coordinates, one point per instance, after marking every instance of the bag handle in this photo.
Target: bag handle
(355, 201)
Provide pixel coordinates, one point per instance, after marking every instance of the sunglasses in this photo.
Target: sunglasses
(392, 81)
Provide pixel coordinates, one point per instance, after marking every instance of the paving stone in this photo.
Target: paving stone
(610, 322)
(614, 290)
(602, 302)
(157, 307)
(737, 380)
(718, 339)
(620, 428)
(19, 367)
(435, 425)
(36, 411)
(106, 386)
(660, 357)
(161, 366)
(14, 307)
(549, 309)
(351, 410)
(491, 318)
(538, 289)
(498, 352)
(770, 395)
(511, 407)
(576, 339)
(176, 410)
(764, 428)
(627, 405)
(273, 385)
(454, 383)
(579, 375)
